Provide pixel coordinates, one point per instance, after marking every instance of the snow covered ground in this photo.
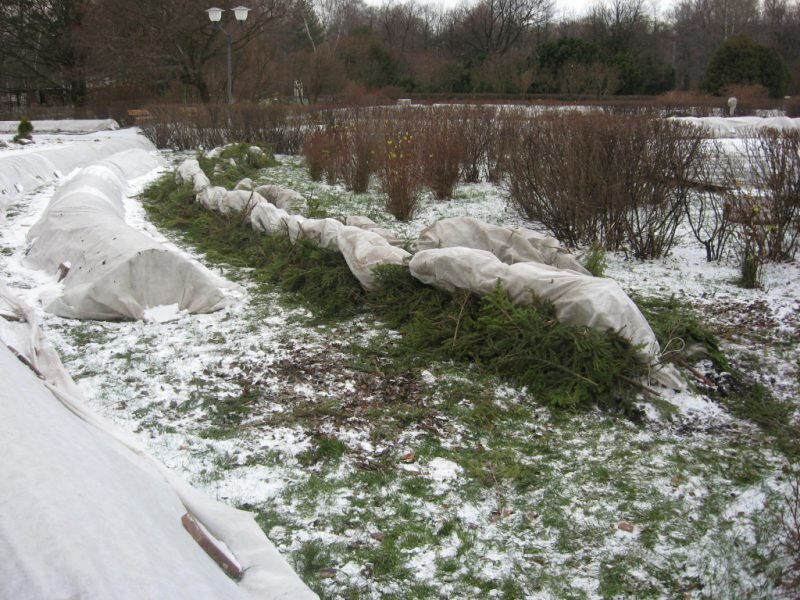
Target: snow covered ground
(522, 502)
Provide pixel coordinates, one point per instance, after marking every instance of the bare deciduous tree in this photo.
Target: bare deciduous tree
(42, 46)
(496, 26)
(158, 41)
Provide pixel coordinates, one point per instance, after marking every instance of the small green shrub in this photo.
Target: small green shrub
(24, 130)
(326, 448)
(595, 260)
(234, 163)
(249, 155)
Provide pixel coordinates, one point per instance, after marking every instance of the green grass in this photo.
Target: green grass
(686, 340)
(326, 449)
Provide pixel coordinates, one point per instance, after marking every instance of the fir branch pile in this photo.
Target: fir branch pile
(565, 366)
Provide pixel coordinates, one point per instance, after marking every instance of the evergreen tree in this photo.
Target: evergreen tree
(740, 61)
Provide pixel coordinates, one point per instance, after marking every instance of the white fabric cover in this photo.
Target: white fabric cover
(322, 232)
(86, 513)
(578, 299)
(239, 201)
(370, 225)
(509, 245)
(189, 171)
(269, 219)
(285, 198)
(115, 271)
(362, 249)
(24, 170)
(365, 250)
(63, 126)
(735, 127)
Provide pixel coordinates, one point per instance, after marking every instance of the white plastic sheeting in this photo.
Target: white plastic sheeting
(114, 271)
(578, 299)
(509, 245)
(362, 249)
(89, 514)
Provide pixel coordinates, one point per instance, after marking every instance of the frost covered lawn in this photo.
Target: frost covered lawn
(390, 480)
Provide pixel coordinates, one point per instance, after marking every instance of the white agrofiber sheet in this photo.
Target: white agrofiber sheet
(362, 249)
(578, 299)
(269, 219)
(509, 245)
(239, 201)
(370, 225)
(322, 232)
(285, 198)
(365, 250)
(189, 171)
(115, 272)
(737, 127)
(24, 170)
(89, 514)
(63, 126)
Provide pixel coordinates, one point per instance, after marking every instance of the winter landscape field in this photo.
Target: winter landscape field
(384, 469)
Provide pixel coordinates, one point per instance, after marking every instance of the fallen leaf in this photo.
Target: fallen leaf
(327, 573)
(408, 457)
(625, 526)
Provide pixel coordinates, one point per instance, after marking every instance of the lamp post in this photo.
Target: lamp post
(215, 15)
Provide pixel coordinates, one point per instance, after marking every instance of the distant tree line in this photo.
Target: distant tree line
(65, 50)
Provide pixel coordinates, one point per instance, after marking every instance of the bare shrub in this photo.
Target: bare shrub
(443, 152)
(502, 144)
(186, 127)
(618, 180)
(660, 165)
(480, 126)
(706, 206)
(791, 106)
(772, 211)
(706, 216)
(182, 128)
(319, 153)
(763, 200)
(749, 98)
(400, 172)
(751, 266)
(357, 142)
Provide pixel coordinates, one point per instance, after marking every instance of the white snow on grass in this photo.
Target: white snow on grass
(697, 488)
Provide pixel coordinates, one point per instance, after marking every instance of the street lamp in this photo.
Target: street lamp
(215, 16)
